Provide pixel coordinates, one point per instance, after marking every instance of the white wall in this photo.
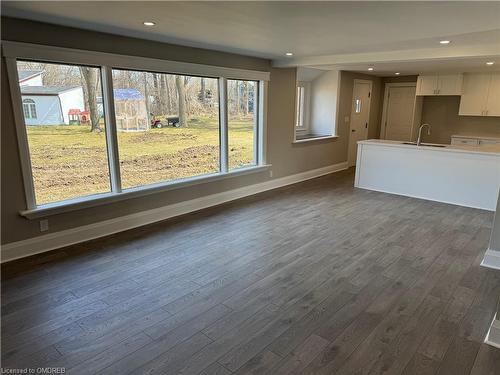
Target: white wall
(308, 74)
(48, 110)
(71, 99)
(35, 81)
(324, 102)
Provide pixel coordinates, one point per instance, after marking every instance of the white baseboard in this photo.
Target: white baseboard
(493, 336)
(51, 241)
(491, 259)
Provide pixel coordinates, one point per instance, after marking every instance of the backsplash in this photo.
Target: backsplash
(441, 112)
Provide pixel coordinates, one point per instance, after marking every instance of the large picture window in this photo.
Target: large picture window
(167, 126)
(99, 127)
(242, 122)
(66, 138)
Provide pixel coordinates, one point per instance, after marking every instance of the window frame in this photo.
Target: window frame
(29, 108)
(13, 51)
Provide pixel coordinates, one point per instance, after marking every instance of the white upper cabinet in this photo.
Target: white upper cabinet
(439, 84)
(493, 103)
(427, 85)
(481, 96)
(450, 84)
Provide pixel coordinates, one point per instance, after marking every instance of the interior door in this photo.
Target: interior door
(399, 113)
(360, 113)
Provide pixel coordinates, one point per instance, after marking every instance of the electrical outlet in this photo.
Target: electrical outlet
(44, 225)
(271, 173)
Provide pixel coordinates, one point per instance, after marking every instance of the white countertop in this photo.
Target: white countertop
(481, 149)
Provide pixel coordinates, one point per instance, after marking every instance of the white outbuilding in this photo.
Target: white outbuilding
(50, 105)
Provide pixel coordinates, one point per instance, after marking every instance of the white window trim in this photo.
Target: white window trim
(93, 58)
(13, 51)
(29, 108)
(306, 110)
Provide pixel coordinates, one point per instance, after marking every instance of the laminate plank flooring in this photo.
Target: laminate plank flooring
(313, 278)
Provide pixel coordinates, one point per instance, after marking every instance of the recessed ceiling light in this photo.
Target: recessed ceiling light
(370, 69)
(149, 23)
(397, 73)
(288, 54)
(490, 63)
(445, 41)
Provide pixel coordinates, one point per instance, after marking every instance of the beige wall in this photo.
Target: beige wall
(441, 112)
(286, 158)
(398, 79)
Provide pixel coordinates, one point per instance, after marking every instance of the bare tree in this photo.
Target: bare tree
(237, 97)
(181, 93)
(203, 91)
(166, 101)
(245, 98)
(156, 90)
(91, 80)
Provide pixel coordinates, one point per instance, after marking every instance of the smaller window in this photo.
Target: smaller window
(302, 107)
(29, 109)
(357, 106)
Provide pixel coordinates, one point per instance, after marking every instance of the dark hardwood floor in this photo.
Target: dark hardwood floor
(315, 278)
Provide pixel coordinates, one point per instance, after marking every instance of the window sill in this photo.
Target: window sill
(106, 198)
(312, 137)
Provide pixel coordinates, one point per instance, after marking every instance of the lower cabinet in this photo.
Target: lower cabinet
(473, 141)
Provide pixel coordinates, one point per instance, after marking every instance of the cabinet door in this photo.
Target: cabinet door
(483, 142)
(459, 141)
(475, 94)
(493, 103)
(427, 85)
(450, 84)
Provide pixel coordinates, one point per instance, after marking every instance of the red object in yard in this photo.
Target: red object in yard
(74, 112)
(84, 116)
(77, 116)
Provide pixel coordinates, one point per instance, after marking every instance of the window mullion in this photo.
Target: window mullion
(111, 136)
(262, 123)
(224, 145)
(256, 130)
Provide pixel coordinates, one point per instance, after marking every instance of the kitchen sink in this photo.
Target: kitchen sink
(423, 144)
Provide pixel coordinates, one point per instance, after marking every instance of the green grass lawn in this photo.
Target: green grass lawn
(69, 161)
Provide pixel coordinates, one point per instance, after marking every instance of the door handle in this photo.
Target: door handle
(353, 130)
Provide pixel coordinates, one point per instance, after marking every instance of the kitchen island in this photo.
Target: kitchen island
(462, 175)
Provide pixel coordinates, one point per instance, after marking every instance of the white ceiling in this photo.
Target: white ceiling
(327, 34)
(384, 69)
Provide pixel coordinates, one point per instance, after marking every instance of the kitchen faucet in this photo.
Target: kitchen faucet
(419, 139)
